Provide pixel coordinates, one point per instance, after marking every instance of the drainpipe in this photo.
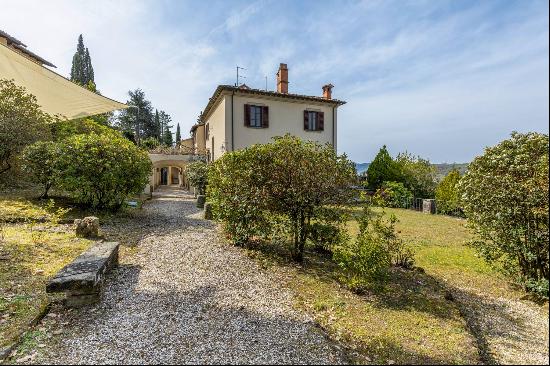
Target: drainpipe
(333, 128)
(232, 118)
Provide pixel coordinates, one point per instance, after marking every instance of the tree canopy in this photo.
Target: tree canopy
(22, 122)
(382, 169)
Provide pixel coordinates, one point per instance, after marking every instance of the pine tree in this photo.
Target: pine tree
(168, 141)
(140, 121)
(165, 121)
(382, 169)
(178, 135)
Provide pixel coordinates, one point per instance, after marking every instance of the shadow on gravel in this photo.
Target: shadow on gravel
(166, 325)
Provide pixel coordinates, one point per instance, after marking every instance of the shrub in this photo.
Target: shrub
(393, 194)
(235, 190)
(101, 170)
(446, 194)
(366, 260)
(329, 229)
(417, 174)
(505, 198)
(39, 161)
(63, 128)
(197, 175)
(21, 122)
(287, 178)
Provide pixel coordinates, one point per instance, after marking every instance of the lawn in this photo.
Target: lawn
(36, 241)
(423, 315)
(29, 255)
(33, 247)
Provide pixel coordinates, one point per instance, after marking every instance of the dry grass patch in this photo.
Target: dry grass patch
(454, 309)
(29, 255)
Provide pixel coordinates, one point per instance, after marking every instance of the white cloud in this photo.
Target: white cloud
(442, 79)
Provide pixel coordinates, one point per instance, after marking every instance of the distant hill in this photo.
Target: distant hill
(361, 167)
(442, 169)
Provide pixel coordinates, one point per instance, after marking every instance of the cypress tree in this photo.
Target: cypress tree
(178, 135)
(89, 67)
(82, 71)
(158, 125)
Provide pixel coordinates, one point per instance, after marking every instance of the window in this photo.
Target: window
(256, 116)
(314, 121)
(207, 131)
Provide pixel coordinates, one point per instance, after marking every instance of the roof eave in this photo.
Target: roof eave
(234, 89)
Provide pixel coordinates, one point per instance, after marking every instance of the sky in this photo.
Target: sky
(439, 79)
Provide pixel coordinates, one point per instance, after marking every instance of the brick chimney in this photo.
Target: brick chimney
(282, 79)
(327, 91)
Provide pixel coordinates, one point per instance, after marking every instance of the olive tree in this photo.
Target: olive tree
(21, 122)
(505, 198)
(102, 170)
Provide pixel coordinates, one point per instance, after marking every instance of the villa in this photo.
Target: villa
(238, 116)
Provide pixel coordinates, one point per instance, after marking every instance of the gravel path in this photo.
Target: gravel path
(183, 297)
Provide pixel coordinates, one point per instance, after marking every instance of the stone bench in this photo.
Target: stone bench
(82, 280)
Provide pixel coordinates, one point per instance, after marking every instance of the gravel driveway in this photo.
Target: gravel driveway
(184, 297)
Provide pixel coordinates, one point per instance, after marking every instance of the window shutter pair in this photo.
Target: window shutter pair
(265, 116)
(320, 121)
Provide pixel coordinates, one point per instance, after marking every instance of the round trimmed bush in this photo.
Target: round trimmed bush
(102, 170)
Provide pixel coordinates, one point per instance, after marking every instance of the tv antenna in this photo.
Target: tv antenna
(239, 76)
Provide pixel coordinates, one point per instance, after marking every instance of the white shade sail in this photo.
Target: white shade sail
(56, 95)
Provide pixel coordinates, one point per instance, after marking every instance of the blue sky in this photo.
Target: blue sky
(442, 79)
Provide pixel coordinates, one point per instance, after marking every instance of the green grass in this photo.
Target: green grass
(409, 320)
(29, 256)
(33, 247)
(23, 205)
(441, 249)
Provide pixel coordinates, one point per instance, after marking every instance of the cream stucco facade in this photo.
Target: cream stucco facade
(227, 131)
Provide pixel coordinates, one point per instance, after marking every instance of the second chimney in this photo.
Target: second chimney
(327, 91)
(282, 79)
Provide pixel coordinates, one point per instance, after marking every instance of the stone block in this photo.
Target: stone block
(208, 211)
(201, 199)
(428, 206)
(82, 280)
(87, 227)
